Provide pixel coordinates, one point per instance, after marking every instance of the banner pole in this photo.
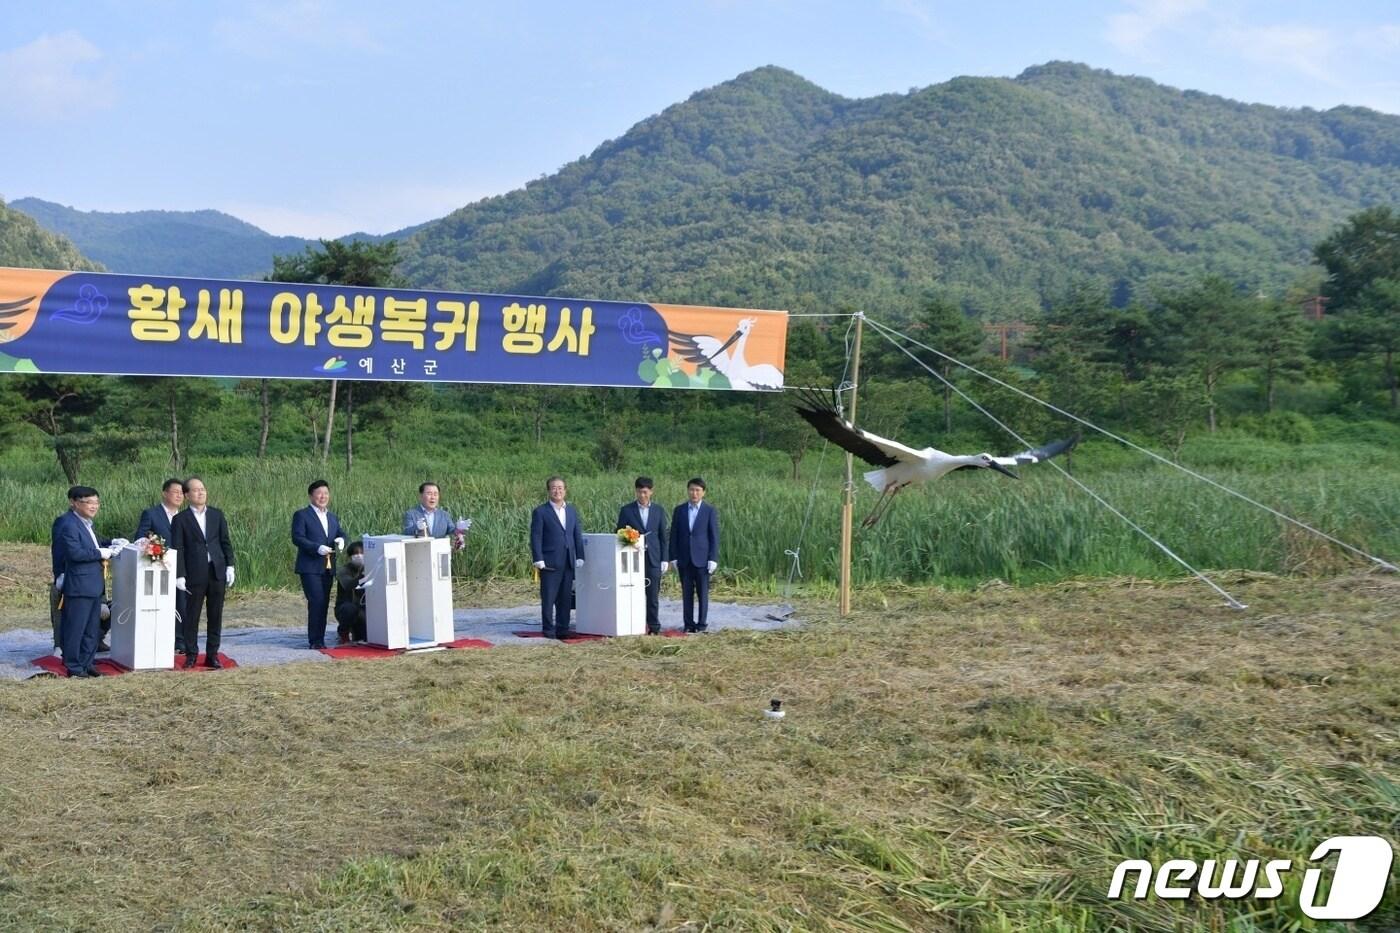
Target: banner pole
(848, 500)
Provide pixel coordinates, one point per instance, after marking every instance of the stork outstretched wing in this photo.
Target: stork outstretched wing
(821, 413)
(1039, 454)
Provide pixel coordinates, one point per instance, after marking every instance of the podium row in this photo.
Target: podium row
(408, 596)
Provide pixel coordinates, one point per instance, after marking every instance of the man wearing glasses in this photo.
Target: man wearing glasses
(78, 555)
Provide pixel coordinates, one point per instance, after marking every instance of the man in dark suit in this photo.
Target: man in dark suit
(159, 516)
(651, 521)
(203, 569)
(556, 547)
(77, 560)
(156, 520)
(317, 534)
(695, 550)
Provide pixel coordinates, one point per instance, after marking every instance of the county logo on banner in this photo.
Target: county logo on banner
(99, 323)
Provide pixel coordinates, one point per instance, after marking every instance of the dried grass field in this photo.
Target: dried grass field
(961, 760)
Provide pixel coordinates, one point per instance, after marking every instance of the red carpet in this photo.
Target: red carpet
(109, 668)
(228, 663)
(364, 652)
(55, 666)
(468, 643)
(360, 652)
(571, 640)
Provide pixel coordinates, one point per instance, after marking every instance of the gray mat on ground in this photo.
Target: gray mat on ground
(259, 647)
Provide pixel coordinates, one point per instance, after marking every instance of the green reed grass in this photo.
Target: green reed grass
(964, 529)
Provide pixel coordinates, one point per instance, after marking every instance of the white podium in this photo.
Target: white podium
(408, 603)
(143, 610)
(611, 587)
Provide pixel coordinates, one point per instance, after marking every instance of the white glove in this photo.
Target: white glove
(362, 584)
(105, 553)
(117, 543)
(665, 566)
(539, 565)
(180, 584)
(228, 577)
(578, 563)
(323, 550)
(711, 566)
(58, 582)
(340, 544)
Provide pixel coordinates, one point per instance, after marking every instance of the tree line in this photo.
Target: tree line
(1159, 366)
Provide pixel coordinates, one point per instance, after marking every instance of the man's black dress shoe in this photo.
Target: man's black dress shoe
(92, 672)
(189, 662)
(213, 661)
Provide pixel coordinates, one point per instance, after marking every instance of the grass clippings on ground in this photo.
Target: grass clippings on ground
(949, 761)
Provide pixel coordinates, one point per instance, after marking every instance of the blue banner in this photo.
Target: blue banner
(98, 323)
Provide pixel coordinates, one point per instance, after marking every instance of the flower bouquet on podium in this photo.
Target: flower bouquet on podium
(629, 536)
(153, 547)
(459, 533)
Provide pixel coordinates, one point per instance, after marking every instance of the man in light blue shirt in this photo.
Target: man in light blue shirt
(426, 518)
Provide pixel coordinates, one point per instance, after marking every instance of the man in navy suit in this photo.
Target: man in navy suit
(203, 570)
(159, 516)
(695, 550)
(77, 558)
(651, 521)
(157, 520)
(437, 522)
(317, 534)
(556, 548)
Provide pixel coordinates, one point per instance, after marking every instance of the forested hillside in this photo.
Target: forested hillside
(25, 244)
(769, 191)
(207, 244)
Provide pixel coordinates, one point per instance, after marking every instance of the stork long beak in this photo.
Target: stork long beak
(1001, 469)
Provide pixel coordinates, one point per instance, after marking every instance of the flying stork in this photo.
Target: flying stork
(902, 466)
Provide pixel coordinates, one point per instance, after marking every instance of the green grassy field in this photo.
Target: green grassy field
(962, 531)
(951, 760)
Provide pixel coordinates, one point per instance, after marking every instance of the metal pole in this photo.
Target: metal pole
(848, 501)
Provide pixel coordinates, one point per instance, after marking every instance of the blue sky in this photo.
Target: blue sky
(319, 118)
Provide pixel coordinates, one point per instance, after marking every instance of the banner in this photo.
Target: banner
(104, 324)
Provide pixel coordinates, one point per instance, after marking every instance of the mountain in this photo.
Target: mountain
(26, 245)
(203, 244)
(769, 191)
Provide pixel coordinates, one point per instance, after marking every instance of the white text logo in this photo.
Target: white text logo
(1358, 881)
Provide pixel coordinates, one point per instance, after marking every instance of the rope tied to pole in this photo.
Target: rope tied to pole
(795, 569)
(886, 332)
